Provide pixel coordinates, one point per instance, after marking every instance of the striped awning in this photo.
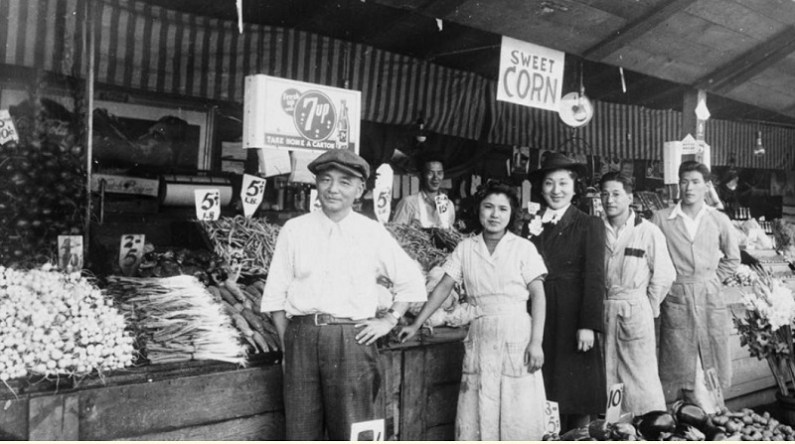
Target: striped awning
(150, 48)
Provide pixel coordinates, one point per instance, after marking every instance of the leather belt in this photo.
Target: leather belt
(321, 319)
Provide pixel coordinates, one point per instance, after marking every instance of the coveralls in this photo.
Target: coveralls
(638, 274)
(694, 319)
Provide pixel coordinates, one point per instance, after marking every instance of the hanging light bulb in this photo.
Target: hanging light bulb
(759, 149)
(421, 135)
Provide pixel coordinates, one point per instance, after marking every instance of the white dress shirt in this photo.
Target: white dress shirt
(320, 266)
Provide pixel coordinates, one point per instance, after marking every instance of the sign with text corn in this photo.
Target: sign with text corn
(530, 75)
(291, 115)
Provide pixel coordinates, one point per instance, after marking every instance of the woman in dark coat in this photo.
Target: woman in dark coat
(573, 246)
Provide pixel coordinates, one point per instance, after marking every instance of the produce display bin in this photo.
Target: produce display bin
(196, 400)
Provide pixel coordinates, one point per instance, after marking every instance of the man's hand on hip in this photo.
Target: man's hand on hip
(373, 328)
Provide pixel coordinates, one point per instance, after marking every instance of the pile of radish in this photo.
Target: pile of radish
(52, 323)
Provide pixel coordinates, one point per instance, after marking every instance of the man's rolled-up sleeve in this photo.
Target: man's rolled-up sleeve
(280, 273)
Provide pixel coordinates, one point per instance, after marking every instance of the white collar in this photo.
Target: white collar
(630, 219)
(677, 211)
(556, 215)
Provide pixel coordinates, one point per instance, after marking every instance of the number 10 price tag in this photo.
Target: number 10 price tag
(614, 400)
(70, 253)
(131, 250)
(208, 204)
(251, 193)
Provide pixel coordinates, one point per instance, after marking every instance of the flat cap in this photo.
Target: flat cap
(344, 160)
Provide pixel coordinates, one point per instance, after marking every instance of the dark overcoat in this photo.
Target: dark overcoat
(574, 250)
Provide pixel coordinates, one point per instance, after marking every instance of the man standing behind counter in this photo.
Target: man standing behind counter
(422, 206)
(638, 274)
(321, 292)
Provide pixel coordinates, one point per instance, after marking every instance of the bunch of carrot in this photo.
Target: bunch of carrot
(242, 305)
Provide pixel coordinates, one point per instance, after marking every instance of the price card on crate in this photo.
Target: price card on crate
(614, 400)
(70, 253)
(131, 251)
(208, 204)
(251, 193)
(551, 417)
(8, 132)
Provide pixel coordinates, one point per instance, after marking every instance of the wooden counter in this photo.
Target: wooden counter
(216, 401)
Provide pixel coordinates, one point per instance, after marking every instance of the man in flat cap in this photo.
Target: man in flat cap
(321, 291)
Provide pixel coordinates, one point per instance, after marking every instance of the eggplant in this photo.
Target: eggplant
(578, 434)
(690, 414)
(598, 429)
(653, 425)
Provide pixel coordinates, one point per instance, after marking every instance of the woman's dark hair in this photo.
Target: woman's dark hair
(579, 186)
(692, 165)
(616, 176)
(497, 188)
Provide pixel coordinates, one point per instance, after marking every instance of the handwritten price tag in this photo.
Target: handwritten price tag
(8, 132)
(70, 253)
(551, 417)
(382, 193)
(208, 204)
(614, 400)
(251, 193)
(443, 207)
(131, 251)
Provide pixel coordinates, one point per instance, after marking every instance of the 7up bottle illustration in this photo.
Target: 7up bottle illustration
(343, 127)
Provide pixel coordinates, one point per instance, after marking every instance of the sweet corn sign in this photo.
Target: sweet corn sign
(530, 75)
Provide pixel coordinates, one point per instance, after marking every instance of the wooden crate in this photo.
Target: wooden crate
(207, 401)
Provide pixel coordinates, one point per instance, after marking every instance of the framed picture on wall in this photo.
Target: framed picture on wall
(154, 137)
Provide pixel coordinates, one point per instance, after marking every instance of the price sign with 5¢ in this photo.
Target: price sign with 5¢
(131, 250)
(208, 204)
(7, 130)
(70, 253)
(251, 193)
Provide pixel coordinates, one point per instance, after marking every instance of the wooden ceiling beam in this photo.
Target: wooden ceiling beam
(750, 63)
(635, 29)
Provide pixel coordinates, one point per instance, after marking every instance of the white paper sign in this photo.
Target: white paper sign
(314, 202)
(382, 193)
(8, 131)
(291, 115)
(530, 75)
(614, 400)
(551, 417)
(208, 204)
(131, 250)
(444, 208)
(70, 253)
(251, 193)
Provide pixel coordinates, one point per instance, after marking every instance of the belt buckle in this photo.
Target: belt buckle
(318, 323)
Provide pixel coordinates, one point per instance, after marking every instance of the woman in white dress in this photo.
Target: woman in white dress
(502, 392)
